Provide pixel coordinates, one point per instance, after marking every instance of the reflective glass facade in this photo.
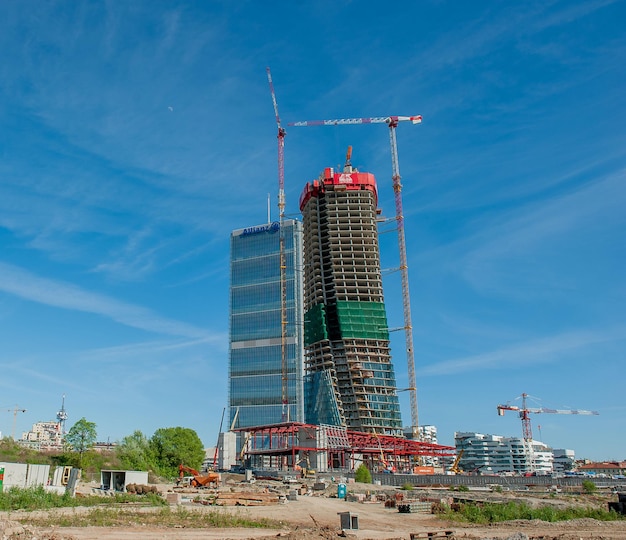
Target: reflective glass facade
(255, 363)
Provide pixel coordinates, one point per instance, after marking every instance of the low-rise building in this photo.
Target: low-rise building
(606, 468)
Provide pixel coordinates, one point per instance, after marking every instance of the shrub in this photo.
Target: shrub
(493, 513)
(362, 474)
(589, 487)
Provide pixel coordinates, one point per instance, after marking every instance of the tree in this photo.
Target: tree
(134, 452)
(81, 437)
(362, 474)
(175, 445)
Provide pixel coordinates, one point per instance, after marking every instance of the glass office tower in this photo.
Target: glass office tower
(256, 359)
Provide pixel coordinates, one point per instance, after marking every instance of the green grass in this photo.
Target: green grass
(494, 512)
(121, 509)
(37, 498)
(162, 517)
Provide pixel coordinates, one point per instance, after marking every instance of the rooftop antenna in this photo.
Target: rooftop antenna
(62, 416)
(347, 168)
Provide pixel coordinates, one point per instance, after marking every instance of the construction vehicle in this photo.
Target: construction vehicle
(304, 465)
(384, 465)
(454, 468)
(197, 479)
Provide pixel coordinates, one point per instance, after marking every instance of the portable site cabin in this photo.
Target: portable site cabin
(118, 480)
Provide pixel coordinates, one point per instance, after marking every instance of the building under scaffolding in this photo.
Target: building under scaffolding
(350, 377)
(325, 448)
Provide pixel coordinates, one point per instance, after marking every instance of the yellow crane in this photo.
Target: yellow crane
(454, 468)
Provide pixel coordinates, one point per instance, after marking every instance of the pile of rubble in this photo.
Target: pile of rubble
(11, 530)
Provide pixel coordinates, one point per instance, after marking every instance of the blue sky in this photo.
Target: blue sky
(135, 136)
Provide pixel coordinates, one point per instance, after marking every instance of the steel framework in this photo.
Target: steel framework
(283, 441)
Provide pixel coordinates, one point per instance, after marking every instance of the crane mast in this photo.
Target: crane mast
(392, 122)
(404, 272)
(283, 263)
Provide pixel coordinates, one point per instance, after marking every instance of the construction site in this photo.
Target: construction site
(312, 383)
(311, 374)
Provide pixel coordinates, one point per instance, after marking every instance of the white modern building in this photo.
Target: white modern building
(426, 434)
(564, 460)
(488, 454)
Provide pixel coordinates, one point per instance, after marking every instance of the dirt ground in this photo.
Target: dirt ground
(316, 516)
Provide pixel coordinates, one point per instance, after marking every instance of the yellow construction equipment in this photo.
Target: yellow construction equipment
(454, 468)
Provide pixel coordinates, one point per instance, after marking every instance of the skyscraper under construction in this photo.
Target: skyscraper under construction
(350, 378)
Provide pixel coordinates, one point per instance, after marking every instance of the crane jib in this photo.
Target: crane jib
(356, 121)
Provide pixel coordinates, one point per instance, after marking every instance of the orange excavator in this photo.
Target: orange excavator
(208, 479)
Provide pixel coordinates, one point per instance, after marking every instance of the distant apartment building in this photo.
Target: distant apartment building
(44, 436)
(486, 454)
(350, 377)
(256, 365)
(427, 434)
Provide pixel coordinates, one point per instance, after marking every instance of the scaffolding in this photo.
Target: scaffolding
(346, 334)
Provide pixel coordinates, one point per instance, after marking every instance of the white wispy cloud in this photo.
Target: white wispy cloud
(537, 351)
(595, 206)
(24, 284)
(495, 247)
(148, 349)
(17, 372)
(570, 13)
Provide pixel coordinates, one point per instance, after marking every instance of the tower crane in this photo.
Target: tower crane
(283, 262)
(524, 414)
(15, 410)
(392, 123)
